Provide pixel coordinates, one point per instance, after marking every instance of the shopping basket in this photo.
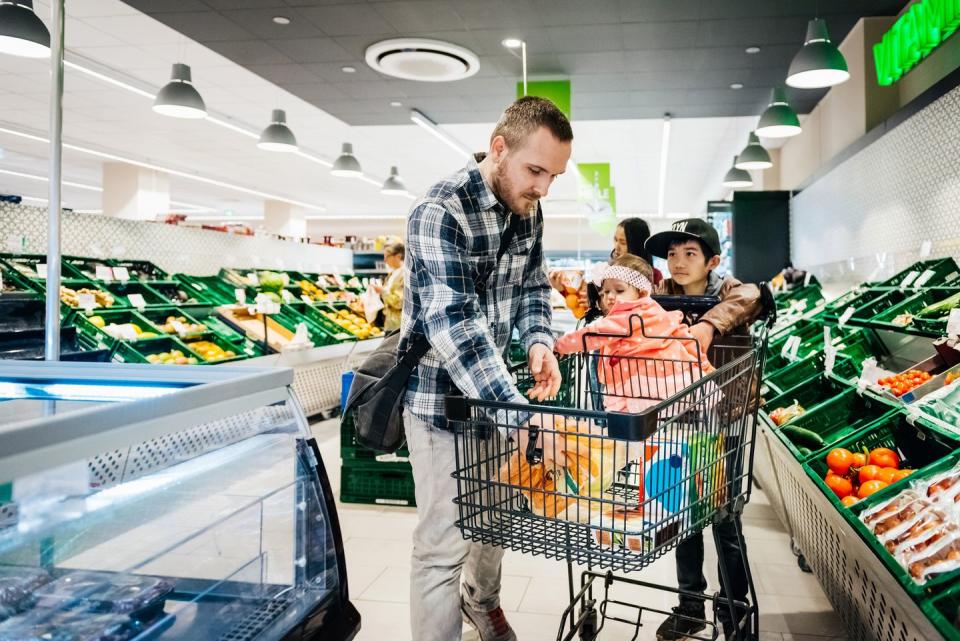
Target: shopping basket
(641, 454)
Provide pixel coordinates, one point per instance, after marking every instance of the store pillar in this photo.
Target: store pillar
(284, 219)
(134, 192)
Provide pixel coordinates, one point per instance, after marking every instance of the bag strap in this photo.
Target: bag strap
(418, 345)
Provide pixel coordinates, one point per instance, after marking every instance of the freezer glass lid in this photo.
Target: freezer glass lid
(100, 391)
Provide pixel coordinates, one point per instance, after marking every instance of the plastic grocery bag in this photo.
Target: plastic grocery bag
(372, 304)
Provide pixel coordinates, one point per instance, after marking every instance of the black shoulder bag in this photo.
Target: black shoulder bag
(380, 383)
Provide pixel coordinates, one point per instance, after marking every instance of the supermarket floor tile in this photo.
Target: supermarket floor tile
(378, 543)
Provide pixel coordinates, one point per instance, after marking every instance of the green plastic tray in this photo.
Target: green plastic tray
(210, 288)
(918, 447)
(943, 610)
(113, 316)
(176, 293)
(816, 389)
(314, 313)
(805, 328)
(835, 419)
(856, 298)
(142, 270)
(944, 270)
(122, 291)
(377, 483)
(86, 267)
(221, 342)
(351, 450)
(25, 266)
(207, 314)
(138, 351)
(933, 327)
(868, 310)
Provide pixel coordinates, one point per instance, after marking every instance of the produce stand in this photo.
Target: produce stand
(877, 595)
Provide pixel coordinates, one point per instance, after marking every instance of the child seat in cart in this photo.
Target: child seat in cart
(571, 480)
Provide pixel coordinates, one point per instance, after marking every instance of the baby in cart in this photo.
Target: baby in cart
(645, 353)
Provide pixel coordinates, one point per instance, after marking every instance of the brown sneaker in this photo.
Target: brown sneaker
(491, 625)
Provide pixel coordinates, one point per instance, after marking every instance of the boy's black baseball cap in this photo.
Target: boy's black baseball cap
(687, 229)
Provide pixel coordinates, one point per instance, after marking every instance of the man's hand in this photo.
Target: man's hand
(546, 373)
(703, 332)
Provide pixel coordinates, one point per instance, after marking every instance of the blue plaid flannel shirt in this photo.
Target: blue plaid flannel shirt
(453, 235)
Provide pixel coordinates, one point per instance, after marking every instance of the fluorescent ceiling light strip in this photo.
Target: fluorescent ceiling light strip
(312, 158)
(172, 172)
(368, 179)
(419, 118)
(109, 80)
(664, 154)
(232, 127)
(45, 179)
(193, 208)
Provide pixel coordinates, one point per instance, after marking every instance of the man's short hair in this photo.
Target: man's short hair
(707, 252)
(525, 116)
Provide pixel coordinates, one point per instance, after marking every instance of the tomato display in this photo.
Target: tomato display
(902, 383)
(852, 476)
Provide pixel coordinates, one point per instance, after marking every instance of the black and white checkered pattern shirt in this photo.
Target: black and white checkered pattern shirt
(453, 235)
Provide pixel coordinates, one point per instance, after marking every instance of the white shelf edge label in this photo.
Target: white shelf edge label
(253, 279)
(121, 273)
(953, 323)
(42, 270)
(847, 315)
(137, 301)
(909, 278)
(87, 302)
(104, 273)
(241, 296)
(923, 278)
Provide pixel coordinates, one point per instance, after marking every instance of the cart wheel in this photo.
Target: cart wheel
(802, 562)
(794, 548)
(588, 631)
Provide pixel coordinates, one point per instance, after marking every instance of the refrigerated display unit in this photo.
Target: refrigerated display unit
(163, 502)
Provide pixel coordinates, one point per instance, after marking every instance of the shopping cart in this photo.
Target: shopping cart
(615, 489)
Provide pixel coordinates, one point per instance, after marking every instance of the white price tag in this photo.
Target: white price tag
(126, 332)
(104, 273)
(847, 315)
(923, 278)
(788, 347)
(827, 338)
(241, 296)
(807, 279)
(252, 279)
(953, 323)
(912, 276)
(137, 301)
(287, 296)
(925, 248)
(121, 273)
(42, 270)
(86, 302)
(178, 327)
(266, 306)
(829, 359)
(303, 297)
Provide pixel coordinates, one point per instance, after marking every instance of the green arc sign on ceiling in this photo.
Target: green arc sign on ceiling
(920, 30)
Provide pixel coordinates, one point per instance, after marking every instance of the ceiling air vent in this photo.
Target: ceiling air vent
(421, 59)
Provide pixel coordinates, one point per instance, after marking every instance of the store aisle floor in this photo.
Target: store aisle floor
(534, 593)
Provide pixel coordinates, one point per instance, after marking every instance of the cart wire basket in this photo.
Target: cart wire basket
(634, 455)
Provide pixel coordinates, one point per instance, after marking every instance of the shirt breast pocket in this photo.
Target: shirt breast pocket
(516, 268)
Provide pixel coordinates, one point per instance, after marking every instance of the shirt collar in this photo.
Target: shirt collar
(483, 192)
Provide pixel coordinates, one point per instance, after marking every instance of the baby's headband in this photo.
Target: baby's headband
(627, 275)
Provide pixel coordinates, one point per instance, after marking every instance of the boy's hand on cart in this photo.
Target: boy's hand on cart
(703, 332)
(546, 373)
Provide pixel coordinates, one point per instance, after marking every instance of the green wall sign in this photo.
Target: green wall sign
(556, 91)
(924, 26)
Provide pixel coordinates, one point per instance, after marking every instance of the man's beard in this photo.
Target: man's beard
(502, 187)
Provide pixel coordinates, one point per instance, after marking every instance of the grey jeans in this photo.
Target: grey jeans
(440, 553)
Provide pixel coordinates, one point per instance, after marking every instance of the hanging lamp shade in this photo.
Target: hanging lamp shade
(179, 98)
(753, 156)
(346, 165)
(737, 178)
(277, 136)
(393, 186)
(779, 120)
(819, 63)
(22, 32)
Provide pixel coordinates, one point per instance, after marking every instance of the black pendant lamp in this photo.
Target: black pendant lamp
(179, 98)
(22, 32)
(737, 178)
(819, 63)
(754, 156)
(277, 136)
(779, 120)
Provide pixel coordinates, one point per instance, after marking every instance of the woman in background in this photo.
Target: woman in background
(391, 292)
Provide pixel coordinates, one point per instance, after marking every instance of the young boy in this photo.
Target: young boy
(692, 251)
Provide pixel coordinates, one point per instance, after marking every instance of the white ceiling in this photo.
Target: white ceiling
(136, 48)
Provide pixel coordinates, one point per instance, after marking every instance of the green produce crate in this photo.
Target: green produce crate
(289, 318)
(377, 483)
(142, 270)
(856, 297)
(811, 295)
(176, 293)
(138, 351)
(113, 317)
(207, 315)
(122, 291)
(917, 446)
(220, 342)
(159, 315)
(319, 333)
(352, 450)
(944, 612)
(87, 267)
(316, 311)
(26, 266)
(817, 389)
(834, 419)
(78, 284)
(932, 325)
(919, 592)
(867, 311)
(14, 283)
(210, 288)
(945, 270)
(779, 381)
(806, 329)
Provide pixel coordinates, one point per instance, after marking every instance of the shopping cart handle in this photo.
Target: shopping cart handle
(534, 454)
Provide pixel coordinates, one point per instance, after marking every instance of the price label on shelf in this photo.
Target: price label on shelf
(908, 279)
(41, 270)
(925, 248)
(953, 323)
(807, 279)
(137, 301)
(104, 273)
(86, 302)
(846, 316)
(241, 296)
(121, 273)
(287, 296)
(252, 279)
(179, 327)
(126, 332)
(303, 297)
(923, 278)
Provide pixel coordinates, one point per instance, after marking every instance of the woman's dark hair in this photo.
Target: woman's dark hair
(637, 232)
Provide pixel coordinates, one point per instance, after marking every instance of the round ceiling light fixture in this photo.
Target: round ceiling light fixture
(753, 156)
(348, 69)
(779, 120)
(22, 32)
(393, 185)
(396, 103)
(752, 50)
(179, 98)
(736, 85)
(283, 20)
(346, 165)
(737, 178)
(422, 59)
(819, 63)
(277, 136)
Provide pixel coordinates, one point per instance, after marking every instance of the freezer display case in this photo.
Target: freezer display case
(162, 502)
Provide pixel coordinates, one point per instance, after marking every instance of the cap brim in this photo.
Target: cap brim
(659, 244)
